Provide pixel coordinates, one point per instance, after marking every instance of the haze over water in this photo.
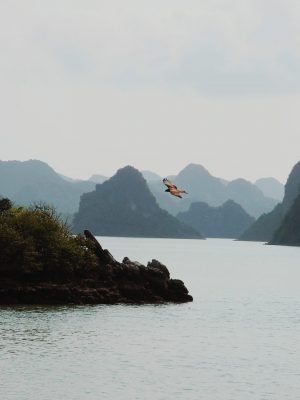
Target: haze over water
(237, 340)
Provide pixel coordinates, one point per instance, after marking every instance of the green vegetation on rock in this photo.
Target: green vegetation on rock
(41, 262)
(34, 240)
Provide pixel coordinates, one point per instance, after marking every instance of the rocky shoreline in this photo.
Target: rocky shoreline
(111, 282)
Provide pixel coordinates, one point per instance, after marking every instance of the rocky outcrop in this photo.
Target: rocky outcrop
(110, 283)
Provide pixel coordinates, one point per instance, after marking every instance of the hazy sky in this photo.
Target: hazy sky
(91, 85)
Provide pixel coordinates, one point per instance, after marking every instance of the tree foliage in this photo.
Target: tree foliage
(5, 205)
(35, 240)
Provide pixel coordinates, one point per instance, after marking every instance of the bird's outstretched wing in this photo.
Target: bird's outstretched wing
(169, 184)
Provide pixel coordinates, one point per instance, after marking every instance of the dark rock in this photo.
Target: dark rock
(159, 266)
(113, 282)
(104, 255)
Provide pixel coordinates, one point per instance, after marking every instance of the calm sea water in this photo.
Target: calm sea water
(239, 339)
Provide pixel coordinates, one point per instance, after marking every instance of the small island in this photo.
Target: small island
(42, 262)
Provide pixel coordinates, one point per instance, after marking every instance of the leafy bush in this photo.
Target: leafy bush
(5, 204)
(35, 240)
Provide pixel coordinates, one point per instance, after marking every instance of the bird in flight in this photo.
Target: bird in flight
(172, 189)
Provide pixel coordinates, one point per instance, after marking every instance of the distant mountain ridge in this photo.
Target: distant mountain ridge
(151, 176)
(34, 181)
(226, 221)
(98, 178)
(124, 206)
(204, 187)
(271, 187)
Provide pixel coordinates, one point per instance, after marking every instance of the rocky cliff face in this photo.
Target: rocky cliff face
(288, 232)
(263, 229)
(291, 188)
(124, 206)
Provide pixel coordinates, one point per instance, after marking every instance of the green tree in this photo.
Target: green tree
(35, 240)
(5, 204)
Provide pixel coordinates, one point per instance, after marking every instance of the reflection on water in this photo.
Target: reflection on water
(237, 340)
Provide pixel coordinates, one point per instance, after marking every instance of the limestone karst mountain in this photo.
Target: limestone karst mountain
(263, 229)
(271, 187)
(204, 187)
(34, 181)
(249, 197)
(124, 206)
(226, 221)
(288, 232)
(151, 176)
(98, 178)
